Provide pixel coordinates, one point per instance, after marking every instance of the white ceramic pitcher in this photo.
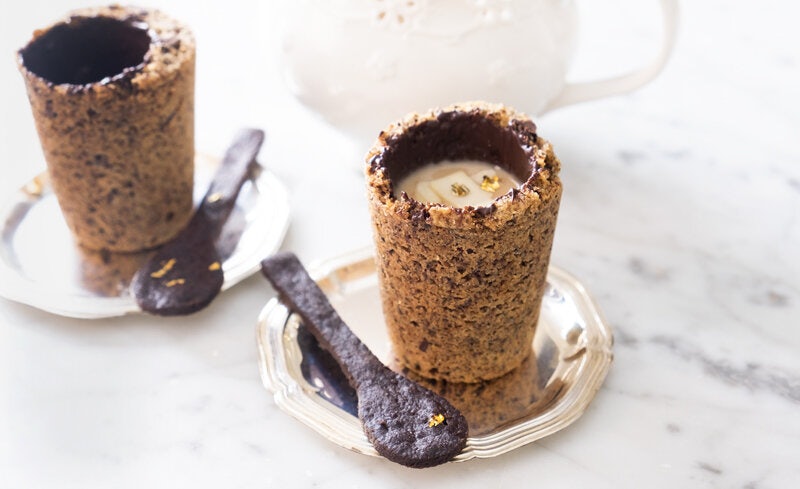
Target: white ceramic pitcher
(364, 63)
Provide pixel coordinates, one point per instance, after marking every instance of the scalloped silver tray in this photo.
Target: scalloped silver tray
(571, 355)
(40, 265)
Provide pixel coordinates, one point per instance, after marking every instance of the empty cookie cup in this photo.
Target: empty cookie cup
(112, 95)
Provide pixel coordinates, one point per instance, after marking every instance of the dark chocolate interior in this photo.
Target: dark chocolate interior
(86, 50)
(457, 136)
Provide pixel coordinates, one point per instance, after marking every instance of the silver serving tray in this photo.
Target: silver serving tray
(571, 357)
(40, 265)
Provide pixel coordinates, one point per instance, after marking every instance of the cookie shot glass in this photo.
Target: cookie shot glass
(463, 202)
(112, 95)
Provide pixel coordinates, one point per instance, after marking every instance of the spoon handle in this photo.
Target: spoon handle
(301, 293)
(221, 195)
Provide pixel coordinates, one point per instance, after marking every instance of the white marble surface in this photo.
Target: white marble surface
(681, 213)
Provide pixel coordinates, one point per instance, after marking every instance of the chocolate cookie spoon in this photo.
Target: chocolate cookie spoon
(405, 422)
(185, 274)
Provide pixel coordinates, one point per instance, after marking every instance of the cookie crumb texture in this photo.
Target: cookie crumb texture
(119, 150)
(462, 287)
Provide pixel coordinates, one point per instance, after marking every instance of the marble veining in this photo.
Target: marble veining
(750, 375)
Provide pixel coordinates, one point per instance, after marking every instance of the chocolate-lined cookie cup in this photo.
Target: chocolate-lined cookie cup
(112, 95)
(462, 287)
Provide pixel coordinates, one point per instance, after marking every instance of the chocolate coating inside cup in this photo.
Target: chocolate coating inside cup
(86, 50)
(456, 136)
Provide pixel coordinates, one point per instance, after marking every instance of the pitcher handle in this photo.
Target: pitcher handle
(581, 92)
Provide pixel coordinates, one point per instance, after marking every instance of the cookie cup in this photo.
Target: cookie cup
(112, 95)
(461, 288)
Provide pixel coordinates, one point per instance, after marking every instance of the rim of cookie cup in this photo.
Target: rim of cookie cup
(171, 44)
(505, 132)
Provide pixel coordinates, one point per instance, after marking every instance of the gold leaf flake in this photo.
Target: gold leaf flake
(490, 184)
(436, 420)
(459, 189)
(164, 269)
